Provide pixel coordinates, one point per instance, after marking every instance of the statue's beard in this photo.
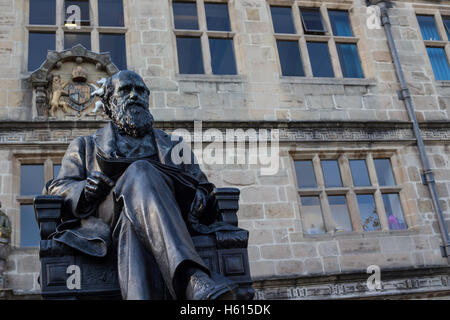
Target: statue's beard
(134, 119)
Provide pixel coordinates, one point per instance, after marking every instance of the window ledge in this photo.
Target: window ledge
(443, 83)
(335, 81)
(359, 235)
(209, 78)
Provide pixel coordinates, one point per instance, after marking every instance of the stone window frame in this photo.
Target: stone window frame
(48, 161)
(350, 191)
(59, 29)
(204, 35)
(332, 40)
(437, 13)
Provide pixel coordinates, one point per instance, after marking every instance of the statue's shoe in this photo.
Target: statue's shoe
(203, 287)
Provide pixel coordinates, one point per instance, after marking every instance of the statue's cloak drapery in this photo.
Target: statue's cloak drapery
(85, 231)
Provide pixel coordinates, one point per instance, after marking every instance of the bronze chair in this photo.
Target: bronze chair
(224, 252)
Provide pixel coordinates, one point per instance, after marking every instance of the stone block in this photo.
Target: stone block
(260, 237)
(250, 211)
(396, 244)
(23, 282)
(359, 246)
(281, 236)
(239, 178)
(331, 265)
(260, 269)
(348, 102)
(259, 194)
(314, 266)
(275, 252)
(304, 250)
(278, 210)
(291, 267)
(327, 249)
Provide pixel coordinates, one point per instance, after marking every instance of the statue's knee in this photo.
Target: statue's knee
(141, 166)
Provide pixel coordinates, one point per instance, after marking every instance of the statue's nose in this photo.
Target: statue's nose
(133, 94)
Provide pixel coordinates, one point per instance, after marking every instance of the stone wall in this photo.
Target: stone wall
(258, 96)
(269, 205)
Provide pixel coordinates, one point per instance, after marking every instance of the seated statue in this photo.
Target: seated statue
(122, 190)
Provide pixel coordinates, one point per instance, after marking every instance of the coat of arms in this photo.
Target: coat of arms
(75, 94)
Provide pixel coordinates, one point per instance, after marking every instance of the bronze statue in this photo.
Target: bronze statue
(124, 193)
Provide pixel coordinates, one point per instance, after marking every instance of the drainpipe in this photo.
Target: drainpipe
(405, 95)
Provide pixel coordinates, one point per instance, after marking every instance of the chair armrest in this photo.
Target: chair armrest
(226, 202)
(47, 210)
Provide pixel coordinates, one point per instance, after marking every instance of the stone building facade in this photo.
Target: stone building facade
(318, 118)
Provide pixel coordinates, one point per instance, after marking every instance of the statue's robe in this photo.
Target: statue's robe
(144, 213)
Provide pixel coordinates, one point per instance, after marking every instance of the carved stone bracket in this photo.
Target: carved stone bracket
(47, 90)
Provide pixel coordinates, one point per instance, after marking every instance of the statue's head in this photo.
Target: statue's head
(126, 102)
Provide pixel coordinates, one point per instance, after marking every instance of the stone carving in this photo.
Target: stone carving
(75, 94)
(65, 81)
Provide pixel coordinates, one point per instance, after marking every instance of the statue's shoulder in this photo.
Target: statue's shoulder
(162, 135)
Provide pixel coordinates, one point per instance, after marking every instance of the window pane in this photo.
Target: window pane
(72, 39)
(312, 215)
(446, 21)
(394, 211)
(331, 173)
(43, 12)
(282, 19)
(428, 28)
(359, 173)
(290, 59)
(222, 56)
(38, 45)
(340, 23)
(349, 59)
(384, 172)
(305, 174)
(110, 13)
(312, 20)
(29, 230)
(115, 45)
(190, 59)
(185, 15)
(319, 56)
(339, 213)
(217, 16)
(368, 212)
(439, 63)
(56, 168)
(84, 9)
(31, 179)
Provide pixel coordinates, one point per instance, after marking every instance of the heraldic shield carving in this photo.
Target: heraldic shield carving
(63, 85)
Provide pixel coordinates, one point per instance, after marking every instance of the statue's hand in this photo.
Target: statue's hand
(198, 206)
(97, 186)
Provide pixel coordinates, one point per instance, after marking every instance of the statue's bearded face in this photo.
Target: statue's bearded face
(129, 104)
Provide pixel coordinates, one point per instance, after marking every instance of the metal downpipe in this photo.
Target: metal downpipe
(404, 94)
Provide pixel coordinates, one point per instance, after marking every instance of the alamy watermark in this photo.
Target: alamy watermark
(374, 281)
(228, 147)
(74, 279)
(73, 20)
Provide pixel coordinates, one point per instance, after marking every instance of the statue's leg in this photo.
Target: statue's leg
(146, 196)
(139, 275)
